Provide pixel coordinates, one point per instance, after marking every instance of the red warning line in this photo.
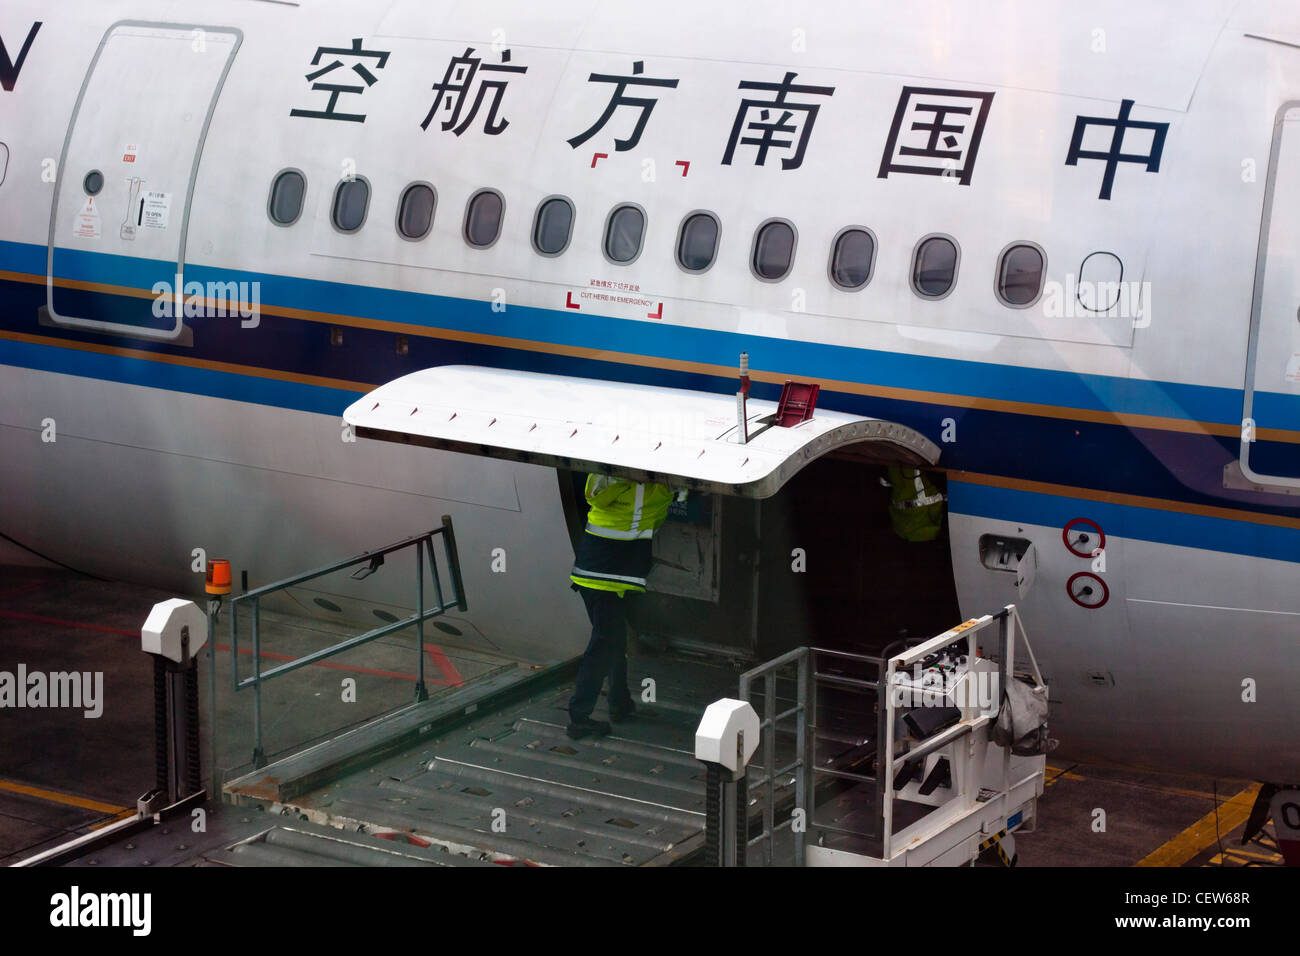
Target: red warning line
(445, 665)
(24, 589)
(38, 619)
(451, 677)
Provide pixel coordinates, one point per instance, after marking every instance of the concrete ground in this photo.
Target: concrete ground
(62, 773)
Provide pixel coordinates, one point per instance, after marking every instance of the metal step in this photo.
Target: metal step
(312, 845)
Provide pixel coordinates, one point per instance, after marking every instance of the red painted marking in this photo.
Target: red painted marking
(686, 166)
(656, 315)
(597, 157)
(445, 665)
(569, 303)
(451, 677)
(38, 619)
(332, 665)
(24, 589)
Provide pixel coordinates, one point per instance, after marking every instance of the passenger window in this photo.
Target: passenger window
(935, 267)
(285, 202)
(773, 250)
(415, 211)
(698, 242)
(1020, 275)
(351, 201)
(483, 218)
(624, 233)
(851, 259)
(553, 226)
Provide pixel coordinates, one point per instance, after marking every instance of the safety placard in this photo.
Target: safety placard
(86, 225)
(1293, 368)
(155, 210)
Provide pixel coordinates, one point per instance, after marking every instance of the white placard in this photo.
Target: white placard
(157, 210)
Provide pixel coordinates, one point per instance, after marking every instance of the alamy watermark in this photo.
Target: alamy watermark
(79, 690)
(194, 300)
(1077, 298)
(931, 688)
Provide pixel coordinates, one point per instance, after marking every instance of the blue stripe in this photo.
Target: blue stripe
(563, 327)
(1148, 524)
(178, 378)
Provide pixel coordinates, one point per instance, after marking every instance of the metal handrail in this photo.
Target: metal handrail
(769, 720)
(810, 676)
(423, 544)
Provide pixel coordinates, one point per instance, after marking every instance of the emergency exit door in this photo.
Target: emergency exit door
(1270, 452)
(126, 176)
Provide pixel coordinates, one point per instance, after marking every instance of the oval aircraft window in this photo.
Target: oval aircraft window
(773, 250)
(415, 211)
(1020, 275)
(934, 267)
(623, 234)
(285, 203)
(851, 259)
(1100, 275)
(483, 218)
(553, 227)
(93, 182)
(698, 242)
(351, 201)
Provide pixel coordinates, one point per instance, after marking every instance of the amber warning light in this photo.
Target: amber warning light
(218, 576)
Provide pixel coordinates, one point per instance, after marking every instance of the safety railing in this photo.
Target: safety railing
(423, 545)
(769, 728)
(846, 731)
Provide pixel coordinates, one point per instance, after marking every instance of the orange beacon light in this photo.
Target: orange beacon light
(218, 577)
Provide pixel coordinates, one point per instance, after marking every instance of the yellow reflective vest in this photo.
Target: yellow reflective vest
(614, 553)
(915, 505)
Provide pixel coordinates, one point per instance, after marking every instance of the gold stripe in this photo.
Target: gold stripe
(1204, 832)
(186, 360)
(969, 477)
(1112, 497)
(65, 798)
(1104, 417)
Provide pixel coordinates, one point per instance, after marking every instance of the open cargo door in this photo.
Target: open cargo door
(722, 581)
(643, 432)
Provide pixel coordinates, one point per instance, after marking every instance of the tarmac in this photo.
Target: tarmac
(63, 773)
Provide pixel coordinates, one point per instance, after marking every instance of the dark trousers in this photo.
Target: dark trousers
(606, 654)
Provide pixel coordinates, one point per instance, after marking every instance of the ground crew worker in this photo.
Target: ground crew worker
(613, 559)
(915, 505)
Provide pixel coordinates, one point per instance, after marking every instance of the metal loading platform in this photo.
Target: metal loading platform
(487, 772)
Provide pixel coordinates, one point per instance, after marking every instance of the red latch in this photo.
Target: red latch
(798, 399)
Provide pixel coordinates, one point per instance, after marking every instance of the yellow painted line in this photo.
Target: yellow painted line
(114, 819)
(1253, 854)
(67, 799)
(1157, 422)
(1231, 814)
(1059, 773)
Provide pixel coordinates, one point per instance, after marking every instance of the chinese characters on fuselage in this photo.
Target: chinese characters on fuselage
(935, 131)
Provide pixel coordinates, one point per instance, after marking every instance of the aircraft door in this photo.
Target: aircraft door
(126, 176)
(1272, 386)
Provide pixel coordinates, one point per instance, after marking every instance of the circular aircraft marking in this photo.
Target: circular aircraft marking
(1087, 590)
(1083, 541)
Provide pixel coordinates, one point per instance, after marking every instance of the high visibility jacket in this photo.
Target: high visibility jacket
(915, 505)
(614, 552)
(625, 510)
